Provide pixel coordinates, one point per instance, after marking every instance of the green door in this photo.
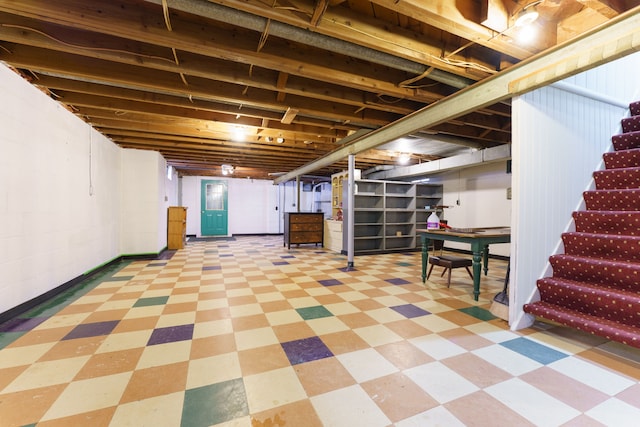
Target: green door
(213, 219)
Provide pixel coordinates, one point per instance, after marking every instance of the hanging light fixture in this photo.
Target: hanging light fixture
(227, 169)
(527, 15)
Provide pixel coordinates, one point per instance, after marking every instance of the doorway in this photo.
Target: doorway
(214, 213)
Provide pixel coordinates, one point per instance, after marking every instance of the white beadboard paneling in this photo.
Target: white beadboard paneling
(558, 141)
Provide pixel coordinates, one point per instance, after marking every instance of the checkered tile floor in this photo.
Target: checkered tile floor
(244, 332)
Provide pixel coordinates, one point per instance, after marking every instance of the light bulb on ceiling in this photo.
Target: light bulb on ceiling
(239, 134)
(404, 158)
(527, 34)
(527, 15)
(279, 140)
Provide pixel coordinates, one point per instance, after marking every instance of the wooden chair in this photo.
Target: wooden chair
(449, 262)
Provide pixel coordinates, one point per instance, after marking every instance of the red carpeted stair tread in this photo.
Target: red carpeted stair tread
(618, 274)
(613, 247)
(609, 329)
(608, 222)
(622, 159)
(595, 300)
(634, 107)
(614, 179)
(626, 141)
(612, 200)
(631, 124)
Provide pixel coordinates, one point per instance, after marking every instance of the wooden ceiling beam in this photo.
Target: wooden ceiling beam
(360, 29)
(192, 65)
(207, 131)
(318, 11)
(169, 83)
(108, 18)
(182, 140)
(91, 105)
(57, 84)
(257, 155)
(591, 49)
(460, 18)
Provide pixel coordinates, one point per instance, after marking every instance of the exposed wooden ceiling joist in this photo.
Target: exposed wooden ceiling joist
(181, 76)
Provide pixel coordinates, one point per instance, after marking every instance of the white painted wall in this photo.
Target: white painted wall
(558, 141)
(59, 194)
(482, 195)
(144, 214)
(251, 210)
(70, 199)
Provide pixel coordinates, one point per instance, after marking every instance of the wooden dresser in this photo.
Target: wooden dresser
(176, 227)
(303, 227)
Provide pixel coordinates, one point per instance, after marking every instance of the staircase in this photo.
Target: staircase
(595, 285)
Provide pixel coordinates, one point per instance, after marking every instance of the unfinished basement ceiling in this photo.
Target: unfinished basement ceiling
(269, 86)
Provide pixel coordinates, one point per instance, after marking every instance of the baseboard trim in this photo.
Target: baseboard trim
(34, 302)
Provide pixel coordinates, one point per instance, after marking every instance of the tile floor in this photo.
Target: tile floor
(244, 332)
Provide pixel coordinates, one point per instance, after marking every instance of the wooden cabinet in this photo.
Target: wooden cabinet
(333, 235)
(303, 227)
(339, 183)
(176, 227)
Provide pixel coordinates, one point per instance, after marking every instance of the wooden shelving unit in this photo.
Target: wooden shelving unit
(387, 214)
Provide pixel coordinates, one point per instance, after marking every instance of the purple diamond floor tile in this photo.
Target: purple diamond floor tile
(398, 281)
(280, 263)
(330, 282)
(306, 350)
(91, 330)
(171, 334)
(212, 267)
(21, 325)
(410, 310)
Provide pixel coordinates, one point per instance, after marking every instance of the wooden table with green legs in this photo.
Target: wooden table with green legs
(478, 238)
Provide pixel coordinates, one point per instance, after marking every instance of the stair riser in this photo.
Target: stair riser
(631, 124)
(591, 270)
(626, 141)
(635, 108)
(618, 248)
(626, 335)
(612, 200)
(612, 179)
(622, 159)
(595, 302)
(621, 223)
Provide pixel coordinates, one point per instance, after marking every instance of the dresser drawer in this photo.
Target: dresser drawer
(306, 237)
(311, 226)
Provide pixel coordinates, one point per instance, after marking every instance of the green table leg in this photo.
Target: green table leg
(477, 269)
(486, 259)
(425, 256)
